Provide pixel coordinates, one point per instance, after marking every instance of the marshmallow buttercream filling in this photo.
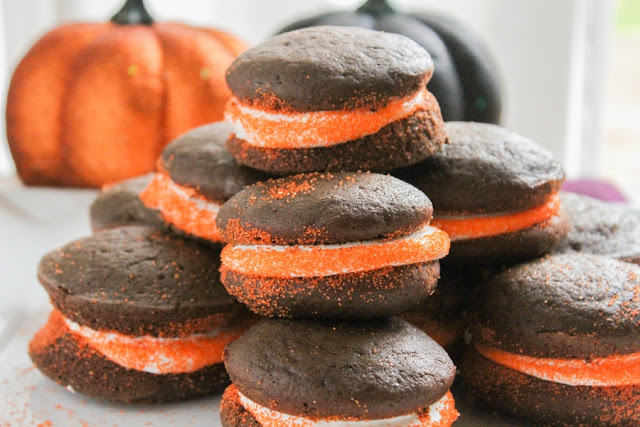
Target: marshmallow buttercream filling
(182, 207)
(266, 128)
(424, 245)
(611, 371)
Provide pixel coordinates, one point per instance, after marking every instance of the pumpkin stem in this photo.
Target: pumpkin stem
(375, 8)
(132, 13)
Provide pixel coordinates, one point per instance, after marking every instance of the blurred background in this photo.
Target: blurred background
(569, 67)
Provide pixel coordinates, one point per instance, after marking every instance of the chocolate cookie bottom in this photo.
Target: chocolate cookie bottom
(512, 247)
(363, 295)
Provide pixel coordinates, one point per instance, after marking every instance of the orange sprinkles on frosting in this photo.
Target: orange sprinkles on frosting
(612, 371)
(182, 207)
(440, 414)
(474, 227)
(151, 354)
(426, 244)
(270, 128)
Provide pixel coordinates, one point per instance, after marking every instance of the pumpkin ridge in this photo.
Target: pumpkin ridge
(35, 144)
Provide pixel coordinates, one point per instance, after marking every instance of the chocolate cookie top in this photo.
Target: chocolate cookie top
(374, 369)
(135, 280)
(562, 306)
(120, 205)
(198, 159)
(323, 209)
(329, 68)
(601, 228)
(485, 169)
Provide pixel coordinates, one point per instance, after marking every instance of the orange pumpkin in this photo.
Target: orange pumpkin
(95, 103)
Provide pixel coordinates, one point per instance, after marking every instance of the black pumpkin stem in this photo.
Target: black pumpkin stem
(132, 13)
(375, 8)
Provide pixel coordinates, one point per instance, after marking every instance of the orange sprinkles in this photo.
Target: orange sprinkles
(612, 371)
(474, 227)
(182, 207)
(426, 244)
(270, 128)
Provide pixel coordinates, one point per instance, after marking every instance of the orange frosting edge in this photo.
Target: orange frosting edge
(474, 227)
(328, 260)
(611, 371)
(178, 206)
(283, 129)
(164, 355)
(448, 414)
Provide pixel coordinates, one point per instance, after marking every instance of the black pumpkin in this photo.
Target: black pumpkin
(465, 80)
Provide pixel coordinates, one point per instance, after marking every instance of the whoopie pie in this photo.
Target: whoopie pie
(556, 341)
(601, 228)
(317, 372)
(333, 99)
(333, 245)
(140, 316)
(195, 176)
(495, 193)
(119, 205)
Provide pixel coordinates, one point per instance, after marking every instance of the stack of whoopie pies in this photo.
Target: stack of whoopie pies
(331, 253)
(363, 277)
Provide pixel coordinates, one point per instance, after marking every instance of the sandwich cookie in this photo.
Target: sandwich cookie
(140, 316)
(195, 176)
(342, 245)
(601, 228)
(382, 372)
(556, 341)
(494, 192)
(119, 205)
(333, 99)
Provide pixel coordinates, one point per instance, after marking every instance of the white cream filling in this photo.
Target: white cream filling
(275, 118)
(161, 358)
(411, 420)
(208, 205)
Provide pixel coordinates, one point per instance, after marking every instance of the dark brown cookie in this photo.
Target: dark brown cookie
(119, 205)
(601, 228)
(561, 306)
(485, 169)
(198, 159)
(137, 280)
(543, 402)
(441, 315)
(509, 248)
(329, 68)
(323, 209)
(376, 369)
(402, 142)
(379, 292)
(71, 362)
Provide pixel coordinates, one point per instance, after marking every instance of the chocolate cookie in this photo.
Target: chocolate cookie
(139, 316)
(342, 245)
(495, 193)
(119, 205)
(601, 228)
(333, 99)
(196, 174)
(556, 341)
(441, 315)
(317, 370)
